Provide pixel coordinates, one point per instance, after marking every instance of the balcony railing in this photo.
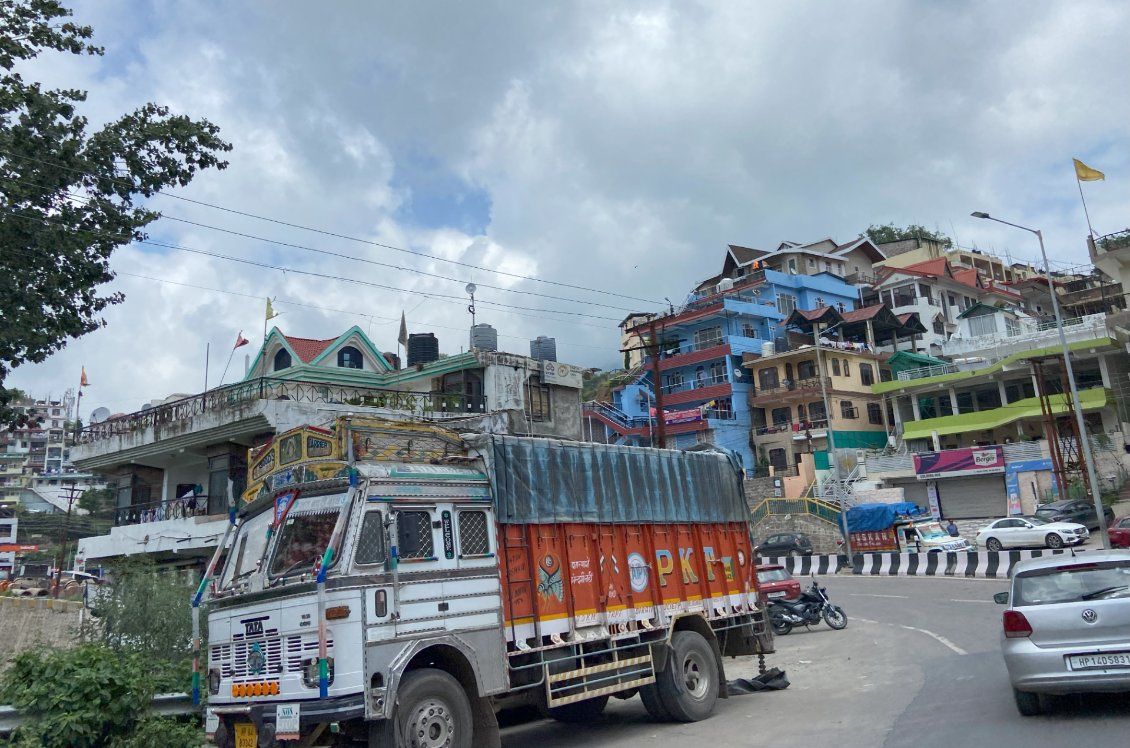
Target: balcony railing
(702, 345)
(234, 396)
(1029, 335)
(694, 384)
(795, 386)
(1111, 242)
(156, 511)
(792, 427)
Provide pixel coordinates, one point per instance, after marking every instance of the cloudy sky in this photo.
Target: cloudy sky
(576, 161)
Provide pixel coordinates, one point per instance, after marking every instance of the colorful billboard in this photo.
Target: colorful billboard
(959, 463)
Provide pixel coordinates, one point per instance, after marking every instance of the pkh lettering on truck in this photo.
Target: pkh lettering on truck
(398, 583)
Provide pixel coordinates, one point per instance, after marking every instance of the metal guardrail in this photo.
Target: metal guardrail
(817, 508)
(164, 705)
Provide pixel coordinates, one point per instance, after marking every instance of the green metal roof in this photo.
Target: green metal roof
(905, 360)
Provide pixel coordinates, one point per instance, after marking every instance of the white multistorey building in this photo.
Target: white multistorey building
(8, 526)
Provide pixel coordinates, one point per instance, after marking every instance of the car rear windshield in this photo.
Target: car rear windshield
(773, 575)
(1066, 584)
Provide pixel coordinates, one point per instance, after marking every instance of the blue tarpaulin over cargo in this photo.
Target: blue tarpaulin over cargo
(541, 481)
(873, 517)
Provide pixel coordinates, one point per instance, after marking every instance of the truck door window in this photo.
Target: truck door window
(474, 538)
(371, 540)
(414, 535)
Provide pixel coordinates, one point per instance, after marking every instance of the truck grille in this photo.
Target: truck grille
(231, 659)
(270, 645)
(299, 648)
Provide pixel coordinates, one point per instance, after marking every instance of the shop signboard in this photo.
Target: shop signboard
(959, 463)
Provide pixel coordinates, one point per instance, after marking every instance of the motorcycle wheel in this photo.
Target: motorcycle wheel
(835, 617)
(781, 627)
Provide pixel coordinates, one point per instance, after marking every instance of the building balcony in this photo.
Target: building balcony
(794, 428)
(241, 411)
(1028, 335)
(692, 355)
(159, 511)
(791, 390)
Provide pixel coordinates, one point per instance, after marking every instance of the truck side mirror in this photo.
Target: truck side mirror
(1001, 598)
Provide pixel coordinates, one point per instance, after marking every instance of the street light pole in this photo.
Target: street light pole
(834, 464)
(1076, 404)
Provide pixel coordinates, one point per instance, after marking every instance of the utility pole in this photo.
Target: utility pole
(661, 420)
(61, 557)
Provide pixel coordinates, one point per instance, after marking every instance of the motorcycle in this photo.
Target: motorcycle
(812, 605)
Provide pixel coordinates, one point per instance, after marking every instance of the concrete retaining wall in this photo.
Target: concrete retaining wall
(28, 622)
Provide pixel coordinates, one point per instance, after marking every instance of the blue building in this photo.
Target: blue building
(704, 388)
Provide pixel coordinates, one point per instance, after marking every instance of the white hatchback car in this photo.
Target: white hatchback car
(1029, 532)
(1067, 627)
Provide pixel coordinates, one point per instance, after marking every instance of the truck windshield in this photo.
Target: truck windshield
(305, 534)
(929, 530)
(247, 551)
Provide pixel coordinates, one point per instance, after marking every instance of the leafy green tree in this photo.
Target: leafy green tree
(69, 197)
(890, 233)
(145, 610)
(97, 500)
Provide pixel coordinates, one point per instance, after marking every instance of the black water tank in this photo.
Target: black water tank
(422, 348)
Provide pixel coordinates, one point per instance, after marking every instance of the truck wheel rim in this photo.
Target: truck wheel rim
(693, 678)
(431, 725)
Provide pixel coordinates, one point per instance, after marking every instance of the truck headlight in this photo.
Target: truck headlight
(310, 672)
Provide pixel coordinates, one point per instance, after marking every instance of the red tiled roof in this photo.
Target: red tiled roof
(935, 267)
(306, 348)
(812, 314)
(966, 277)
(867, 312)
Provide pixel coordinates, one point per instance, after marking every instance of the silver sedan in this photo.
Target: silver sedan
(1067, 626)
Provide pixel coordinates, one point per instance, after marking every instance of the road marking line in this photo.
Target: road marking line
(863, 594)
(960, 600)
(939, 637)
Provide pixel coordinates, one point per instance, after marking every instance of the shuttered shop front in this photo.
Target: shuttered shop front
(977, 497)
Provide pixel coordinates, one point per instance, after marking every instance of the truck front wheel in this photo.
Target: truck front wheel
(688, 687)
(432, 710)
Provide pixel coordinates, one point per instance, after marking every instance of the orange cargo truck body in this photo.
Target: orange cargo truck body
(563, 577)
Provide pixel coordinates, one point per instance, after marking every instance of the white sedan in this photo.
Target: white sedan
(1028, 532)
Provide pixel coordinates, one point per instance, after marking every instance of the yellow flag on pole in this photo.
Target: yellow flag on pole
(271, 313)
(1085, 173)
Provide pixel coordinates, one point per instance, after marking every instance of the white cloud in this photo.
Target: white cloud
(618, 148)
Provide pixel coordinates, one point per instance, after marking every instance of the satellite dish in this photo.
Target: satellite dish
(471, 288)
(99, 415)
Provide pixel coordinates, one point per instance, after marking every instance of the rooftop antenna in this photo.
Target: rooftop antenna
(669, 304)
(471, 288)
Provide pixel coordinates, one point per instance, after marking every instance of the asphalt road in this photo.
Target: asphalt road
(919, 665)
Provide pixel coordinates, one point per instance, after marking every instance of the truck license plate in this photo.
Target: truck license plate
(245, 736)
(1112, 660)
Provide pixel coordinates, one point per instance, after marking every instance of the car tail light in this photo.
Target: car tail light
(1016, 626)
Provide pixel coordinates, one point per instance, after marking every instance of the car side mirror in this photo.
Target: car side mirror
(1027, 526)
(1001, 598)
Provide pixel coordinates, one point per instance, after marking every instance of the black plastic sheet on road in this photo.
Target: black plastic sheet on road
(773, 679)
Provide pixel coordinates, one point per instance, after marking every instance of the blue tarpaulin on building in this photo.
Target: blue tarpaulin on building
(540, 481)
(873, 517)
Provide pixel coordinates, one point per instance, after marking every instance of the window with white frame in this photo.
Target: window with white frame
(708, 337)
(983, 325)
(786, 303)
(1011, 326)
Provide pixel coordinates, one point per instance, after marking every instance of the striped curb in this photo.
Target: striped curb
(984, 564)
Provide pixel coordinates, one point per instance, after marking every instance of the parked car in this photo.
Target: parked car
(1081, 511)
(1065, 629)
(785, 544)
(1119, 532)
(775, 582)
(1030, 531)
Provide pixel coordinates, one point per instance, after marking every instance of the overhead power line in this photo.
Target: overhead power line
(346, 237)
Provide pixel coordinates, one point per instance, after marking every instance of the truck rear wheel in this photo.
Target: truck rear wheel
(432, 710)
(649, 695)
(688, 687)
